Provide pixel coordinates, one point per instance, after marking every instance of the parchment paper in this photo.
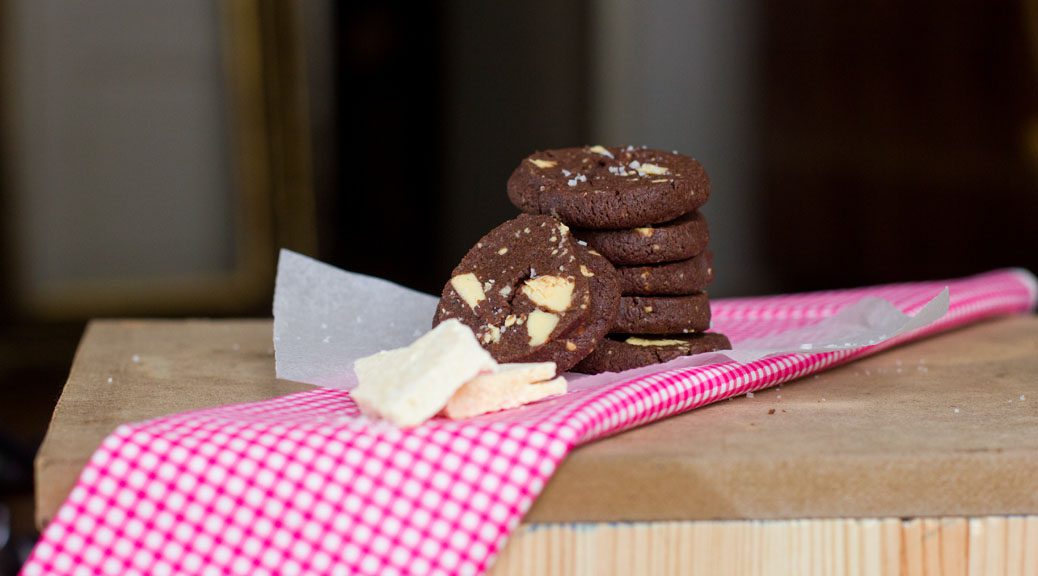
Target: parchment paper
(325, 318)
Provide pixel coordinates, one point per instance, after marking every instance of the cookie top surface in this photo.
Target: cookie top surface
(599, 187)
(621, 352)
(573, 345)
(522, 288)
(678, 239)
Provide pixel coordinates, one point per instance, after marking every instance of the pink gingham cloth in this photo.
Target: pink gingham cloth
(301, 485)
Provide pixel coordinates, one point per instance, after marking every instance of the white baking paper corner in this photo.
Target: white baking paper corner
(325, 318)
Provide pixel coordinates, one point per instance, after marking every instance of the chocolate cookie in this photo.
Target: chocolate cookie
(605, 302)
(619, 352)
(597, 187)
(670, 279)
(663, 314)
(525, 289)
(679, 239)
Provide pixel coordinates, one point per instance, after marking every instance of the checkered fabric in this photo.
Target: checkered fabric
(301, 485)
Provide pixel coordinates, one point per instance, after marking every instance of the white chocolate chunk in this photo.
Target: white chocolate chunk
(585, 272)
(601, 150)
(646, 232)
(513, 385)
(467, 286)
(543, 163)
(492, 334)
(653, 169)
(654, 342)
(539, 326)
(409, 385)
(550, 292)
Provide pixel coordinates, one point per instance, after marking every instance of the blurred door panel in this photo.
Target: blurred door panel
(146, 155)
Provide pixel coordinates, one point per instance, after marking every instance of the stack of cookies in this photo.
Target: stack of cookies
(638, 208)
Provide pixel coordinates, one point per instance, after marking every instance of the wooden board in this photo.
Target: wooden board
(946, 426)
(986, 546)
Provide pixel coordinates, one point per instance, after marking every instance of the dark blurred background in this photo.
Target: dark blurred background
(154, 156)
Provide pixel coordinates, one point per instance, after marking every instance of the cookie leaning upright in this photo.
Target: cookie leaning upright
(599, 187)
(530, 293)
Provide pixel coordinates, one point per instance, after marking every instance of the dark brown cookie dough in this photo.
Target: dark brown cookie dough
(605, 303)
(663, 314)
(621, 352)
(669, 279)
(679, 239)
(597, 187)
(523, 289)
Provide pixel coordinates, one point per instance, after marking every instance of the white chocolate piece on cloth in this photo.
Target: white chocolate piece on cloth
(511, 386)
(409, 385)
